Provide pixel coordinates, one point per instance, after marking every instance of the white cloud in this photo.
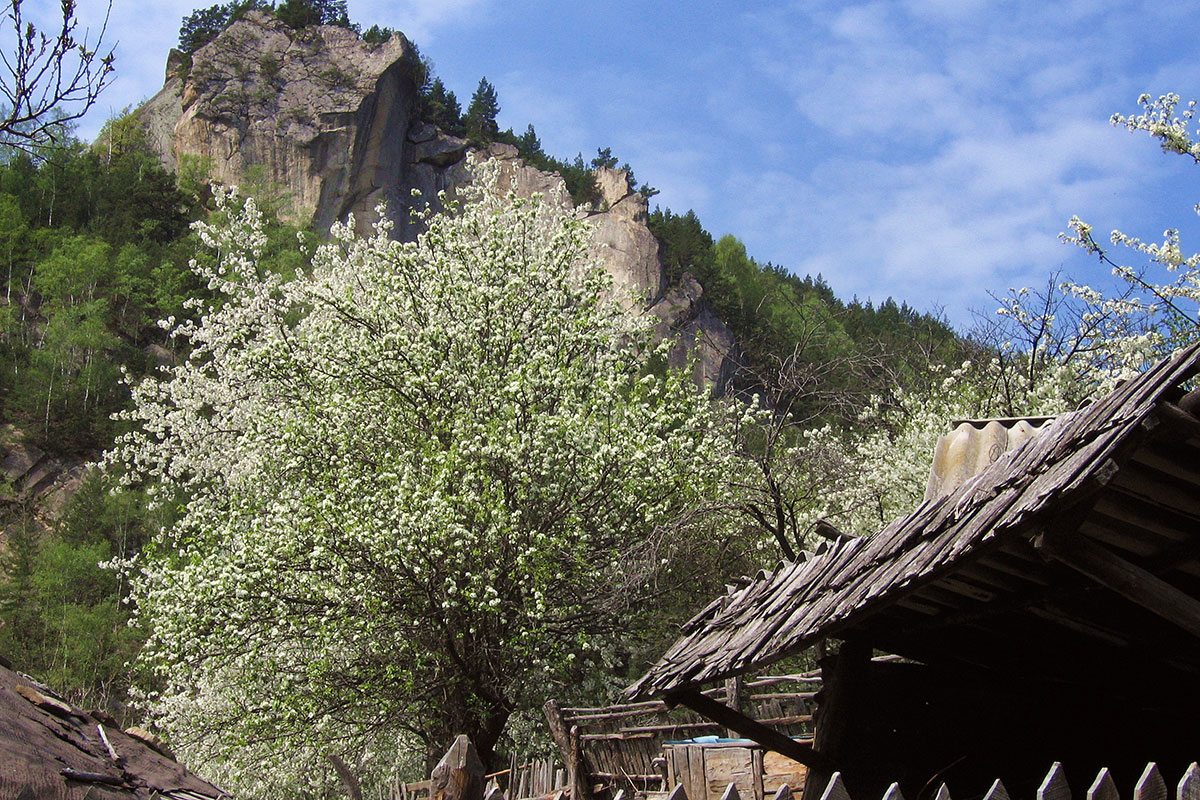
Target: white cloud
(955, 142)
(420, 20)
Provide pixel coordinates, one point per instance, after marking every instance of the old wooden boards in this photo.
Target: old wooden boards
(459, 775)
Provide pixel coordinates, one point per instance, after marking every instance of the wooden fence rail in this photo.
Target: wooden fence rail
(607, 748)
(537, 778)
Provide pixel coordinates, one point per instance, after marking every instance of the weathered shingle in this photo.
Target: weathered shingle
(797, 604)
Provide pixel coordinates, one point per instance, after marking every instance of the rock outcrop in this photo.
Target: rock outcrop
(317, 116)
(702, 339)
(33, 479)
(329, 123)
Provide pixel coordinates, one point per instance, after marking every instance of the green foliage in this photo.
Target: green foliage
(439, 106)
(604, 159)
(298, 14)
(62, 617)
(203, 25)
(479, 123)
(378, 35)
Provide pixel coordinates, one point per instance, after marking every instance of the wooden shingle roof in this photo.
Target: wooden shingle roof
(52, 750)
(991, 520)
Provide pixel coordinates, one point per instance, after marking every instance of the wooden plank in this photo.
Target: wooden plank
(733, 698)
(767, 737)
(943, 793)
(1150, 785)
(604, 710)
(459, 775)
(779, 771)
(784, 792)
(1181, 468)
(1054, 785)
(893, 793)
(1141, 485)
(997, 792)
(678, 726)
(1177, 420)
(1103, 787)
(577, 786)
(771, 680)
(794, 719)
(678, 793)
(661, 708)
(756, 774)
(1189, 784)
(729, 766)
(731, 793)
(835, 789)
(697, 788)
(1127, 579)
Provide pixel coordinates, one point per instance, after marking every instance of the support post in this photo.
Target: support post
(733, 699)
(459, 775)
(842, 676)
(567, 740)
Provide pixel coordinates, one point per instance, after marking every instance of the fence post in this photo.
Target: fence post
(459, 775)
(997, 792)
(568, 743)
(1189, 784)
(1151, 785)
(1054, 785)
(1103, 787)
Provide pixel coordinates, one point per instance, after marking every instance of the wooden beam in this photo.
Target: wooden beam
(1177, 421)
(769, 738)
(1127, 579)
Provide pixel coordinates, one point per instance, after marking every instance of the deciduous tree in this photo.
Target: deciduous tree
(425, 480)
(49, 79)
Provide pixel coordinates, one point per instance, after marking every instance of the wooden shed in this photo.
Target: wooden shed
(1046, 610)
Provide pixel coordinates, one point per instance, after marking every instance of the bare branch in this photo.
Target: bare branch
(50, 81)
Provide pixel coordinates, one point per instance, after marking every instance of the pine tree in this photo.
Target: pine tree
(480, 120)
(440, 107)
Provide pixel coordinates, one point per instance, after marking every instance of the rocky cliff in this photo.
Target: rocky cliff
(316, 114)
(330, 122)
(34, 481)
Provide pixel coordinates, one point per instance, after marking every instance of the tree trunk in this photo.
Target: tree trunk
(349, 780)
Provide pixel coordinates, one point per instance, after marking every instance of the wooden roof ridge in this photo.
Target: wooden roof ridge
(785, 609)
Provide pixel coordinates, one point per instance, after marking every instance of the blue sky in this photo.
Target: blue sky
(929, 150)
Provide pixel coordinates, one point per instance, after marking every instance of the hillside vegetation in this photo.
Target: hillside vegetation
(289, 382)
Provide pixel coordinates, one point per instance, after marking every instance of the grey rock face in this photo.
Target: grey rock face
(317, 115)
(702, 340)
(327, 122)
(623, 243)
(29, 477)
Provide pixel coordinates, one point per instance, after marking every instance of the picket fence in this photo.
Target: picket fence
(1150, 786)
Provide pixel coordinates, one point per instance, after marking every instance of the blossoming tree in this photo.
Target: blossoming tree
(1043, 352)
(419, 483)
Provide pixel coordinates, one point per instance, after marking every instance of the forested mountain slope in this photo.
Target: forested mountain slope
(316, 122)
